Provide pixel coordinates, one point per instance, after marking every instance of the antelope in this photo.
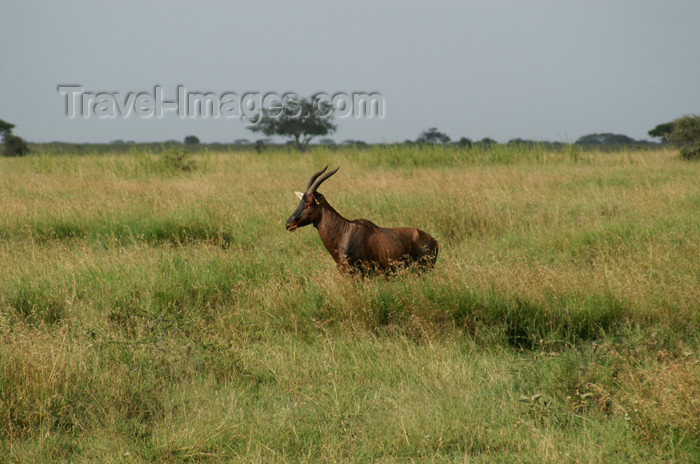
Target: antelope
(360, 245)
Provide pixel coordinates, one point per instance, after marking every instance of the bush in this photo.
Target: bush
(259, 146)
(691, 153)
(176, 159)
(686, 134)
(15, 146)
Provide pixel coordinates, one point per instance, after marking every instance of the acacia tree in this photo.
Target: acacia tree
(301, 121)
(6, 127)
(661, 131)
(433, 135)
(686, 134)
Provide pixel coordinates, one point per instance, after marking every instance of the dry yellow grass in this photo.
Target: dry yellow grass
(167, 316)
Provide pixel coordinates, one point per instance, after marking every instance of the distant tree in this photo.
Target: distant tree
(14, 145)
(686, 134)
(522, 142)
(661, 131)
(117, 142)
(486, 142)
(191, 140)
(606, 139)
(354, 143)
(465, 142)
(326, 142)
(301, 121)
(241, 141)
(433, 135)
(619, 139)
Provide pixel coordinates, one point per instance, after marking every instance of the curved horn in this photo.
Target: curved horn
(313, 178)
(320, 180)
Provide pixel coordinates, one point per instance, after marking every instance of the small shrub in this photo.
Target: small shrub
(176, 159)
(259, 146)
(691, 152)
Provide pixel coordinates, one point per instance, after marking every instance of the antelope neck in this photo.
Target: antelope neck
(331, 227)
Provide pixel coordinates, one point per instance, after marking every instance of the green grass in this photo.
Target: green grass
(154, 309)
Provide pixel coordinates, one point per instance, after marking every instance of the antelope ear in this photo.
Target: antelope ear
(299, 194)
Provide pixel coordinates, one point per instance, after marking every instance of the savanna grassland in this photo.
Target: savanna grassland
(153, 308)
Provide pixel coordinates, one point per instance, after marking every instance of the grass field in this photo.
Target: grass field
(154, 314)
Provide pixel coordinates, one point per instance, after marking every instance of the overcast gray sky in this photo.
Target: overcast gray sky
(546, 70)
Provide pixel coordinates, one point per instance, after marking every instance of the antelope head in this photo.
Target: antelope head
(309, 210)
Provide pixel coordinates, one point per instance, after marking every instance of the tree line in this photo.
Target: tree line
(306, 123)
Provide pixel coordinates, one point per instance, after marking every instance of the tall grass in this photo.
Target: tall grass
(153, 308)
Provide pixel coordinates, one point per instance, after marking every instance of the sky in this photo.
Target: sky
(544, 70)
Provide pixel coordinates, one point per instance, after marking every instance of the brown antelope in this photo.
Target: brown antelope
(360, 245)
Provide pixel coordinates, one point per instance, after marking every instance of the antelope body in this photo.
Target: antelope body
(360, 245)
